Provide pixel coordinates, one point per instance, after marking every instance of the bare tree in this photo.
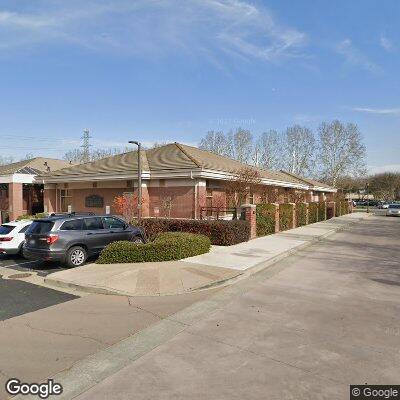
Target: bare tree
(216, 142)
(385, 186)
(268, 151)
(241, 184)
(79, 156)
(298, 147)
(341, 151)
(243, 146)
(6, 160)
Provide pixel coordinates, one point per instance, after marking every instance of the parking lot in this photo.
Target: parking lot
(18, 297)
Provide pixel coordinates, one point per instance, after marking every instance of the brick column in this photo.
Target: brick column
(277, 228)
(49, 199)
(332, 205)
(15, 200)
(250, 215)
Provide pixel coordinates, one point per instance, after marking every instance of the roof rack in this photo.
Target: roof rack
(72, 214)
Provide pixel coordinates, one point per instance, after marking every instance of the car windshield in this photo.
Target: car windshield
(6, 229)
(40, 227)
(394, 206)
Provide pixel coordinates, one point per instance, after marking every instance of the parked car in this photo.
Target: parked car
(393, 210)
(12, 236)
(383, 205)
(71, 239)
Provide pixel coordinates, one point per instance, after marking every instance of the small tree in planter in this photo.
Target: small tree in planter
(166, 206)
(127, 206)
(242, 183)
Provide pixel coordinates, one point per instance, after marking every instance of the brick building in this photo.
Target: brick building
(19, 192)
(177, 180)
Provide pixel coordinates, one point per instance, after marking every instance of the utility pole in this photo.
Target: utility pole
(367, 187)
(139, 174)
(86, 145)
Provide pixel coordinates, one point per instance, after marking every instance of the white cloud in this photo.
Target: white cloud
(374, 169)
(353, 56)
(386, 43)
(142, 27)
(381, 111)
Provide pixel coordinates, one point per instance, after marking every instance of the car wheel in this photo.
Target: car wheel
(137, 240)
(76, 256)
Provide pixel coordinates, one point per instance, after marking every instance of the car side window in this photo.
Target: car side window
(93, 224)
(113, 223)
(23, 230)
(73, 225)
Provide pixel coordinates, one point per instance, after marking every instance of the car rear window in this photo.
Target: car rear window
(40, 227)
(73, 225)
(6, 229)
(394, 206)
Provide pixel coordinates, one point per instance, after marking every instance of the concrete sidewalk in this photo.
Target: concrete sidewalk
(213, 269)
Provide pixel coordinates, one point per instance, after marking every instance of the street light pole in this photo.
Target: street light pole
(139, 172)
(367, 197)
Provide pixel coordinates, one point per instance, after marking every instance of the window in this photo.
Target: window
(251, 198)
(93, 224)
(40, 227)
(24, 229)
(113, 223)
(6, 229)
(73, 225)
(65, 199)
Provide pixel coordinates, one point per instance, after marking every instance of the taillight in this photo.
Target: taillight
(6, 239)
(51, 239)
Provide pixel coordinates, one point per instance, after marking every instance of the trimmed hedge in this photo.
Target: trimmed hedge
(221, 233)
(344, 206)
(167, 246)
(321, 211)
(312, 213)
(301, 214)
(265, 216)
(285, 216)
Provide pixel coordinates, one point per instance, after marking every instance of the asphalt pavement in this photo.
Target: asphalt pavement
(18, 297)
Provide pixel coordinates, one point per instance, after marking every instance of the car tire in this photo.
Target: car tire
(76, 256)
(137, 240)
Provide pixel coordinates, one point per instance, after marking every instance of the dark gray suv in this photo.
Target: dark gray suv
(72, 238)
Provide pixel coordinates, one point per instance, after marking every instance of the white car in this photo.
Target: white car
(12, 236)
(393, 210)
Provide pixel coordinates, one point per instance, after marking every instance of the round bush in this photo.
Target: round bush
(167, 246)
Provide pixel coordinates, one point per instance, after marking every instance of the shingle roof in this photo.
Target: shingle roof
(33, 166)
(173, 156)
(308, 181)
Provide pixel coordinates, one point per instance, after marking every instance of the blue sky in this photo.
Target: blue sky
(170, 70)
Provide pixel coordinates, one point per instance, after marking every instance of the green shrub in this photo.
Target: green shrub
(221, 233)
(265, 216)
(312, 213)
(285, 216)
(344, 206)
(338, 207)
(301, 214)
(321, 211)
(167, 246)
(36, 216)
